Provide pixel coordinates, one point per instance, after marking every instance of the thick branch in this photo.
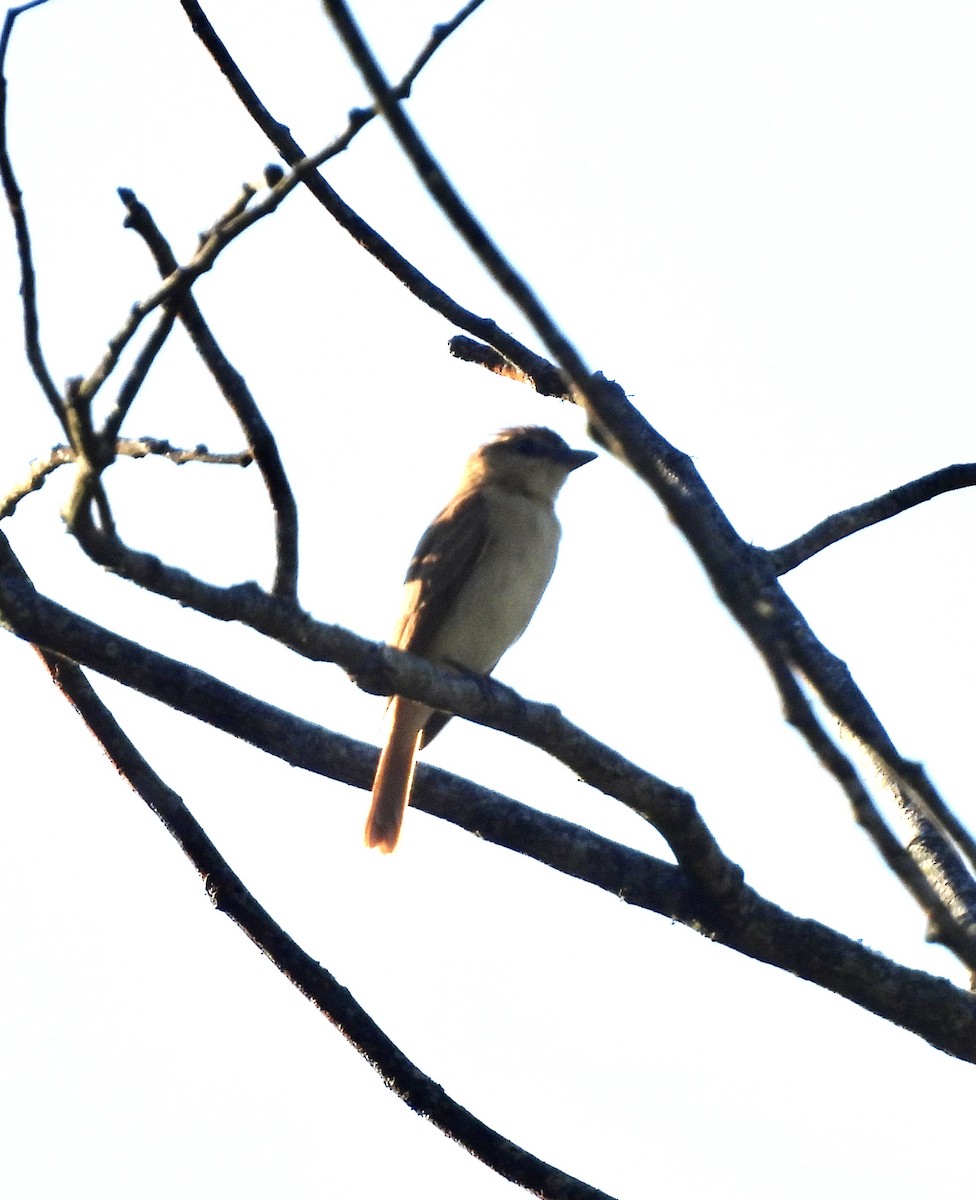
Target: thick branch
(743, 578)
(945, 895)
(381, 668)
(692, 507)
(615, 422)
(230, 896)
(931, 1007)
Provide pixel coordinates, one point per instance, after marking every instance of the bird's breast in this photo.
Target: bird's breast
(495, 604)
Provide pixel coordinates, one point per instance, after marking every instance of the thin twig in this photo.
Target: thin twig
(446, 196)
(240, 217)
(42, 468)
(862, 516)
(28, 282)
(424, 289)
(234, 388)
(37, 475)
(438, 35)
(136, 377)
(141, 447)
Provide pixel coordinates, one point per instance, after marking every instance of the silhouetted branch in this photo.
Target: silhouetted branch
(705, 890)
(41, 468)
(929, 1006)
(239, 217)
(260, 439)
(92, 456)
(862, 516)
(529, 367)
(930, 873)
(230, 896)
(438, 35)
(446, 196)
(742, 576)
(906, 779)
(11, 190)
(381, 668)
(291, 152)
(136, 377)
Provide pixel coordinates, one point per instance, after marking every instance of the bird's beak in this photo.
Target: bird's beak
(579, 458)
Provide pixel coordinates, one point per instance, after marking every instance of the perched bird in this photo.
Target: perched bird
(472, 587)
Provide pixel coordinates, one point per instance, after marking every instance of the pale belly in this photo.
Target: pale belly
(495, 606)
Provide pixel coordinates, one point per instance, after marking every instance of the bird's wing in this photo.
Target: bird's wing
(442, 562)
(441, 565)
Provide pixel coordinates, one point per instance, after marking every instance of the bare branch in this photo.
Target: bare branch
(670, 810)
(438, 35)
(278, 133)
(167, 297)
(237, 394)
(59, 456)
(905, 779)
(529, 367)
(706, 890)
(141, 447)
(14, 198)
(743, 578)
(230, 896)
(947, 881)
(136, 377)
(37, 476)
(380, 668)
(92, 456)
(862, 516)
(446, 196)
(929, 1006)
(938, 882)
(745, 581)
(358, 118)
(239, 217)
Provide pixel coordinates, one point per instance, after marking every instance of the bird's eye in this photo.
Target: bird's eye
(531, 447)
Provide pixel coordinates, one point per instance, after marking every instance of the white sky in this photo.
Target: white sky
(758, 217)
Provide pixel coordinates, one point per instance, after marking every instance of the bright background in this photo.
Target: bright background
(758, 217)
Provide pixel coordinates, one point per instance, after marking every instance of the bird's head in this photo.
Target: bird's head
(529, 459)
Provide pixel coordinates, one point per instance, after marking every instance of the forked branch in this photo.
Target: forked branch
(929, 1006)
(230, 896)
(743, 577)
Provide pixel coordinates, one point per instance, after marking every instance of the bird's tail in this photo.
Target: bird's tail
(394, 773)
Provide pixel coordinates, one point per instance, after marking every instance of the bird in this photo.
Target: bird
(472, 586)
